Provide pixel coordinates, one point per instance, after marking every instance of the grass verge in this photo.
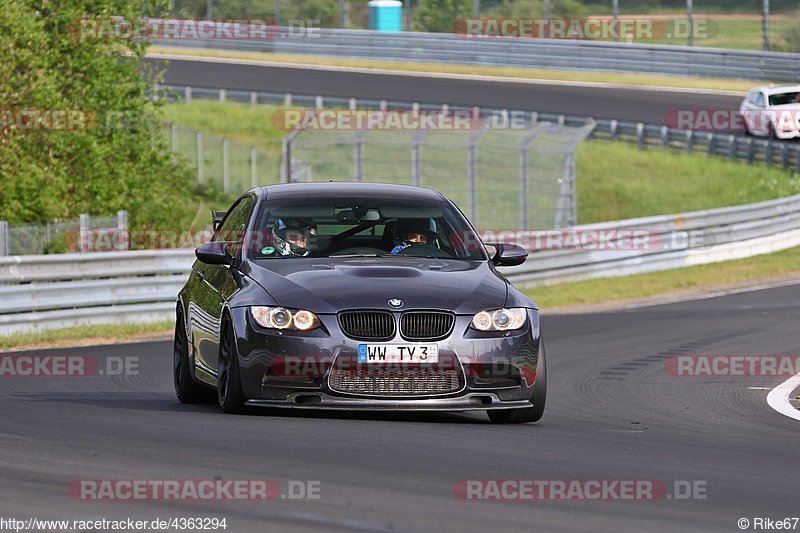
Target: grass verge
(87, 335)
(676, 283)
(544, 75)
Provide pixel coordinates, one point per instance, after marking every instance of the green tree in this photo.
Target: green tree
(440, 15)
(112, 155)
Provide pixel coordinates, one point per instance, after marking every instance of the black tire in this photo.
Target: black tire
(538, 397)
(186, 389)
(229, 383)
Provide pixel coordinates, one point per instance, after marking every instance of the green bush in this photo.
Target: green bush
(791, 36)
(114, 157)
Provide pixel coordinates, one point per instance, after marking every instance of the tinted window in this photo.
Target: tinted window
(784, 98)
(333, 227)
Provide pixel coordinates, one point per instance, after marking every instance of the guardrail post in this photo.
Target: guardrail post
(534, 118)
(253, 163)
(768, 153)
(223, 95)
(122, 241)
(383, 105)
(561, 120)
(612, 129)
(187, 95)
(640, 135)
(731, 147)
(689, 141)
(318, 102)
(84, 233)
(664, 137)
(784, 155)
(751, 151)
(3, 237)
(287, 100)
(253, 98)
(225, 175)
(710, 138)
(352, 104)
(199, 137)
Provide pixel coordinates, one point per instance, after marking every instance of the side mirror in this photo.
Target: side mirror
(508, 254)
(214, 253)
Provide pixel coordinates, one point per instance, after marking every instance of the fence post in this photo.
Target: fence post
(84, 232)
(3, 237)
(472, 173)
(523, 173)
(358, 156)
(416, 178)
(187, 95)
(225, 175)
(122, 242)
(253, 163)
(199, 156)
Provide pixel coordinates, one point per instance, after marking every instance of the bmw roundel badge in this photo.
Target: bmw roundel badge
(394, 302)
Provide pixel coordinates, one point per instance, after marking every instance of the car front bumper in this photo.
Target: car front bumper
(292, 369)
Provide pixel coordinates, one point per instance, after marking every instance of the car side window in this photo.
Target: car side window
(759, 100)
(235, 223)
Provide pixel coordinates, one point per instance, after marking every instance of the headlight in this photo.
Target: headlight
(282, 318)
(500, 319)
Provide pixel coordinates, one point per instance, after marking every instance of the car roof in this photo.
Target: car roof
(348, 190)
(774, 89)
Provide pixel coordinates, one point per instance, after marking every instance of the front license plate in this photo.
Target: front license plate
(398, 353)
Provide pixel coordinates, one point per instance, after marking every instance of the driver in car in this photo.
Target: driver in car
(292, 237)
(411, 231)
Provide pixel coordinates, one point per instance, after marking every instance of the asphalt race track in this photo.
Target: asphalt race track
(613, 413)
(598, 102)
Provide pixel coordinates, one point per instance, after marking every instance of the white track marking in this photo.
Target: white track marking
(778, 398)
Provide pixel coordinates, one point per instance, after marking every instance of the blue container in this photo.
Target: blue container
(386, 15)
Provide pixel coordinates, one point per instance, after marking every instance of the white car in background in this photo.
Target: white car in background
(772, 111)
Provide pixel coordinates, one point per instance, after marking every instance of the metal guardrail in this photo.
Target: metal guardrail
(38, 292)
(520, 52)
(745, 148)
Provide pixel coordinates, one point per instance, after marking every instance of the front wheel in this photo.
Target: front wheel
(229, 383)
(538, 397)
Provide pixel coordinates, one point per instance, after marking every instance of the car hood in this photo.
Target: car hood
(331, 285)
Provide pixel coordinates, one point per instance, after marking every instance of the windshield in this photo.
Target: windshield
(784, 98)
(335, 227)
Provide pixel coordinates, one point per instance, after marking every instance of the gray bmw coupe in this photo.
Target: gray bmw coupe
(361, 297)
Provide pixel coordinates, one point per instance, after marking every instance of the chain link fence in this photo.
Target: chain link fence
(225, 164)
(502, 178)
(85, 234)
